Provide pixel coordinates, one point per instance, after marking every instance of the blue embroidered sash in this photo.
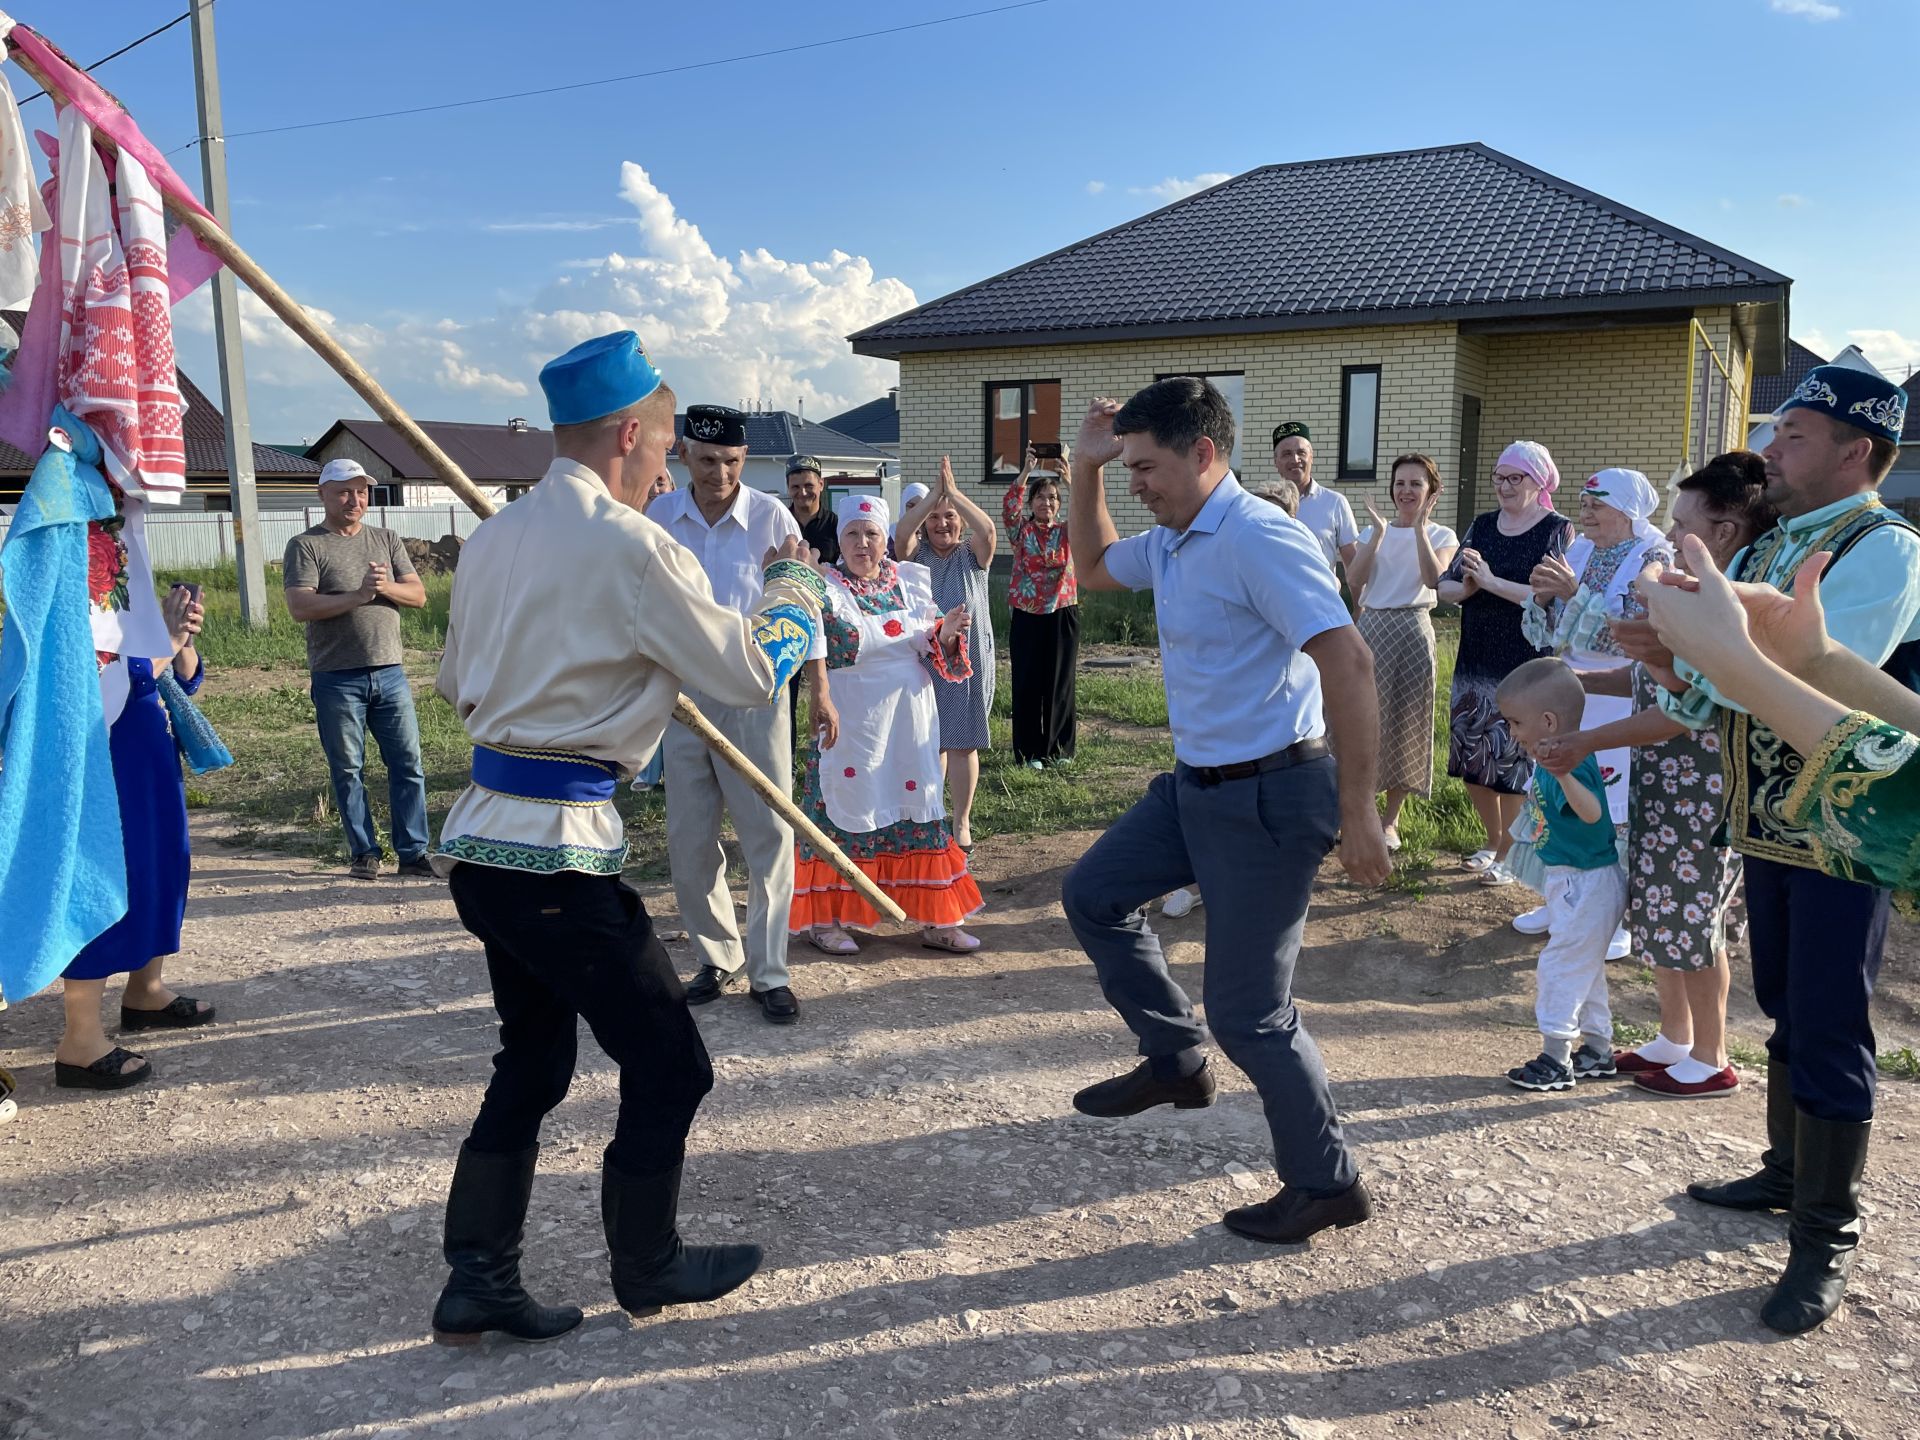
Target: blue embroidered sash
(546, 777)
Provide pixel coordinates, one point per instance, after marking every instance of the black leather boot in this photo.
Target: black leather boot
(651, 1267)
(1825, 1230)
(486, 1211)
(1770, 1187)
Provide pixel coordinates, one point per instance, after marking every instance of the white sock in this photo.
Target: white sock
(1691, 1071)
(1662, 1051)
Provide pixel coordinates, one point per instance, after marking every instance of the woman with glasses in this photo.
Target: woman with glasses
(1489, 580)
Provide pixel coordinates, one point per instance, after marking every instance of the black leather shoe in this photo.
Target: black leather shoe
(652, 1266)
(710, 984)
(1293, 1215)
(1771, 1186)
(1825, 1228)
(486, 1210)
(778, 1005)
(1138, 1090)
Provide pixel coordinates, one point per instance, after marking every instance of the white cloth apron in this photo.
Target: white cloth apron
(885, 767)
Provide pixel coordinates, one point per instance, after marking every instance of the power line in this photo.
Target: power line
(623, 79)
(132, 45)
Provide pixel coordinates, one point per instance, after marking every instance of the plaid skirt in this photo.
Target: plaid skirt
(1403, 669)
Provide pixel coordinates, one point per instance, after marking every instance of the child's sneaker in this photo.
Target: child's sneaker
(1592, 1064)
(1542, 1073)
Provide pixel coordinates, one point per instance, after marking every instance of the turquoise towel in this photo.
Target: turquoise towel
(198, 742)
(63, 871)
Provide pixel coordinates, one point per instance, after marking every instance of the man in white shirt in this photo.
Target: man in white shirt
(1325, 512)
(729, 526)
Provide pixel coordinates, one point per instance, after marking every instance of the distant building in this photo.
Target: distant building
(877, 422)
(504, 461)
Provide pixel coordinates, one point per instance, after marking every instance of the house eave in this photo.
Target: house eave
(868, 343)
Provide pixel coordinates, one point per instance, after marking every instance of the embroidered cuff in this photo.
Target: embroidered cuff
(1836, 748)
(958, 667)
(1692, 707)
(802, 577)
(784, 634)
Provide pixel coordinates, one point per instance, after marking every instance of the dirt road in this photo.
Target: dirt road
(248, 1247)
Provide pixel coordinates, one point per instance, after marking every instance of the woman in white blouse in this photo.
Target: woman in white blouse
(1393, 575)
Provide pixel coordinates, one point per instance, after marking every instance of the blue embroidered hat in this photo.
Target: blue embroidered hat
(598, 377)
(1858, 398)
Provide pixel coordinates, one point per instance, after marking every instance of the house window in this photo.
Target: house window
(1359, 421)
(1019, 413)
(1232, 384)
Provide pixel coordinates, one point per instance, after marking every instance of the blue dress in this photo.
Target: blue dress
(153, 830)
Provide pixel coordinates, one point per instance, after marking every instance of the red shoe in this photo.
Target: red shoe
(1668, 1088)
(1632, 1062)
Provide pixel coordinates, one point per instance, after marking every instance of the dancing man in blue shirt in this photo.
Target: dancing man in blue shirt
(1261, 660)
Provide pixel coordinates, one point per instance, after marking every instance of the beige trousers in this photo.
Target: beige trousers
(699, 785)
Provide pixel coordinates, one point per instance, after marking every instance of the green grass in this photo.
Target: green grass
(1903, 1063)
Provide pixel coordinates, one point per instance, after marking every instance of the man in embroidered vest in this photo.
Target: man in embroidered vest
(1816, 939)
(575, 623)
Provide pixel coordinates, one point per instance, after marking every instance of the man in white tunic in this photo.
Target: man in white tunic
(728, 526)
(576, 621)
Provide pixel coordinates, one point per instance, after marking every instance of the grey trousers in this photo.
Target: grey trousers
(699, 787)
(1255, 846)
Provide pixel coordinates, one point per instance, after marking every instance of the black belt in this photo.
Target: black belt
(1297, 753)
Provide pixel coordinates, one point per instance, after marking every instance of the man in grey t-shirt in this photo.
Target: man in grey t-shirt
(348, 582)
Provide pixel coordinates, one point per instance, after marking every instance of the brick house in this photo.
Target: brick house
(1445, 300)
(503, 461)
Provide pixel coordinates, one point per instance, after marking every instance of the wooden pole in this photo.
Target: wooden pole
(688, 714)
(387, 408)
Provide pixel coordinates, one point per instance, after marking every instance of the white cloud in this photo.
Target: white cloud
(1094, 187)
(556, 227)
(1818, 11)
(1895, 354)
(720, 328)
(1174, 188)
(1792, 202)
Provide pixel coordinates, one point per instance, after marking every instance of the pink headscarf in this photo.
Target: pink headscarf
(1535, 460)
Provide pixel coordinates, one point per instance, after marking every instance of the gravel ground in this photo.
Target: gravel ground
(248, 1246)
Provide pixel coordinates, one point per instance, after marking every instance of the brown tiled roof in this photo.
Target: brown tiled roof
(490, 454)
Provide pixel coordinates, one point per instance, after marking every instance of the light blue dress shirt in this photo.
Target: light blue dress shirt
(1237, 594)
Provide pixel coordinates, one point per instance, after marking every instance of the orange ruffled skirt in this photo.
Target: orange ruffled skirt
(932, 886)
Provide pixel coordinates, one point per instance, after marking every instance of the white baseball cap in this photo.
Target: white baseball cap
(334, 471)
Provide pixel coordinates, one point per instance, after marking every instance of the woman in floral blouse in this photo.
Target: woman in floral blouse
(871, 777)
(1045, 634)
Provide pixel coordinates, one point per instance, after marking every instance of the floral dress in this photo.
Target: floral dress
(876, 793)
(1682, 886)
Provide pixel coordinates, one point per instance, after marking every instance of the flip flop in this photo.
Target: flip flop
(103, 1074)
(827, 945)
(183, 1012)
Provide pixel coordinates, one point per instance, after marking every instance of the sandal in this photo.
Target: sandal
(106, 1073)
(8, 1109)
(950, 938)
(833, 942)
(183, 1012)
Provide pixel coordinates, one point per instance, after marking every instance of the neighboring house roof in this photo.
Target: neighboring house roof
(877, 422)
(780, 433)
(1910, 433)
(1770, 392)
(489, 454)
(205, 430)
(1450, 233)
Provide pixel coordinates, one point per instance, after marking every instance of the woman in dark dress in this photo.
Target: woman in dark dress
(1488, 580)
(153, 828)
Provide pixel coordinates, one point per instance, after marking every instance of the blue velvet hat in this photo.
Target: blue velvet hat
(598, 377)
(1858, 398)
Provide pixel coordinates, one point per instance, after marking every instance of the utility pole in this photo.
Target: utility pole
(248, 559)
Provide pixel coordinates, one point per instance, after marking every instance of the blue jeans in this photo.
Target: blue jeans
(349, 703)
(1255, 846)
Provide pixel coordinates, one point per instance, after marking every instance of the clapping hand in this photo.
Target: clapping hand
(1473, 568)
(945, 484)
(792, 548)
(375, 585)
(1424, 515)
(1379, 520)
(1554, 578)
(954, 626)
(1097, 443)
(184, 616)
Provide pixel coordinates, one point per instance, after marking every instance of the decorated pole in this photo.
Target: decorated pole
(387, 408)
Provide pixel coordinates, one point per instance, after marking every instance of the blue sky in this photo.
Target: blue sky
(745, 216)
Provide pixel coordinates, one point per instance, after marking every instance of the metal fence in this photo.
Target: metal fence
(203, 540)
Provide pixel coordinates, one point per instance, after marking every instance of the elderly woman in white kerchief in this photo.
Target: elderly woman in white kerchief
(1575, 598)
(871, 777)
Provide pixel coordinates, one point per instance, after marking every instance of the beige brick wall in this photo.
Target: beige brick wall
(1294, 376)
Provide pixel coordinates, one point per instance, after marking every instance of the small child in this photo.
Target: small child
(1585, 888)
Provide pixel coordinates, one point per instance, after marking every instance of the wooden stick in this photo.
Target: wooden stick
(387, 408)
(688, 714)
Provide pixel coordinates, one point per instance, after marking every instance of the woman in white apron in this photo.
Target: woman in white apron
(1574, 599)
(871, 777)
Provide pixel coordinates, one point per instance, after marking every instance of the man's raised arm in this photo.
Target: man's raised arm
(1089, 527)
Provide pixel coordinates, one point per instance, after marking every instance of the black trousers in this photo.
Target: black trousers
(574, 945)
(1046, 659)
(1816, 945)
